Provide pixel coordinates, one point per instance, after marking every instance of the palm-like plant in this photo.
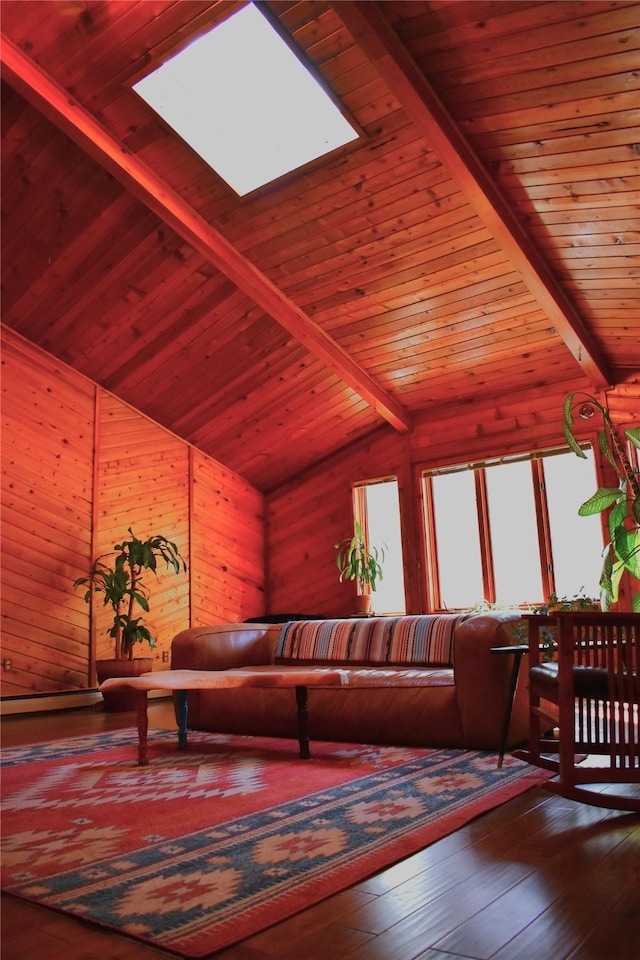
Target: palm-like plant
(356, 560)
(623, 550)
(123, 589)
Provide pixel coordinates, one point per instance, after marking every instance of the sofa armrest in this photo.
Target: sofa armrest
(481, 677)
(222, 646)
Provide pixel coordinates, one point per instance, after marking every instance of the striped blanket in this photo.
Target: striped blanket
(425, 640)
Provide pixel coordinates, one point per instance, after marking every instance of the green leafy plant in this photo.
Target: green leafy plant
(623, 502)
(123, 589)
(579, 601)
(356, 560)
(548, 637)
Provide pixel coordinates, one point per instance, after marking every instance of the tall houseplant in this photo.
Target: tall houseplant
(623, 502)
(122, 588)
(360, 561)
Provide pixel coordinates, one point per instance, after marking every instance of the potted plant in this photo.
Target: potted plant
(548, 635)
(122, 588)
(623, 550)
(357, 560)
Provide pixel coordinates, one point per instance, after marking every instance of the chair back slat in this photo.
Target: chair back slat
(605, 648)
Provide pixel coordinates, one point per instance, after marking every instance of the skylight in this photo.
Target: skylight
(245, 102)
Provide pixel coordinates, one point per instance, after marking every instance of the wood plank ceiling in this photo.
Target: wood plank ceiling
(481, 235)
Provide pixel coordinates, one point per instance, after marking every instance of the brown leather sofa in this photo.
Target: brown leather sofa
(422, 681)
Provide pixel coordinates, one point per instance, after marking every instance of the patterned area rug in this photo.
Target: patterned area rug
(203, 848)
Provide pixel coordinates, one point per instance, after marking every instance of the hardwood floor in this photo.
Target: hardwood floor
(540, 878)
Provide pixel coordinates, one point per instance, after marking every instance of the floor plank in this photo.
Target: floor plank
(539, 877)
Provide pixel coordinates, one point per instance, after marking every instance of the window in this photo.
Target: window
(576, 542)
(514, 533)
(377, 509)
(242, 98)
(458, 539)
(509, 533)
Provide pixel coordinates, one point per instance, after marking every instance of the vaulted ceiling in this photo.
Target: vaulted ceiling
(480, 237)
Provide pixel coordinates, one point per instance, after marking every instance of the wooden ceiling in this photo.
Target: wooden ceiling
(480, 237)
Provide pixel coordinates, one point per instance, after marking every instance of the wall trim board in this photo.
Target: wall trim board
(65, 700)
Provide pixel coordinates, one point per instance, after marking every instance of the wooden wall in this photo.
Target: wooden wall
(227, 566)
(78, 467)
(142, 482)
(47, 482)
(306, 517)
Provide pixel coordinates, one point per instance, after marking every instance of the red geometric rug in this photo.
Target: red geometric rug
(206, 847)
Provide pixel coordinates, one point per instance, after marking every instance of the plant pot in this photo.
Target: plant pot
(121, 701)
(363, 604)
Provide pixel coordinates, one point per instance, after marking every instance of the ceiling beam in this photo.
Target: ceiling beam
(367, 24)
(70, 116)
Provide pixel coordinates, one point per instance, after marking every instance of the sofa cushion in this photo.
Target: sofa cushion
(426, 640)
(363, 676)
(345, 641)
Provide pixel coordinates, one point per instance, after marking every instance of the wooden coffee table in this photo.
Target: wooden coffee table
(181, 681)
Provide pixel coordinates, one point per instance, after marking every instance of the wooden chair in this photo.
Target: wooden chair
(585, 702)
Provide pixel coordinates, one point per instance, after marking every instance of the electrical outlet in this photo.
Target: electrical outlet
(6, 664)
(165, 656)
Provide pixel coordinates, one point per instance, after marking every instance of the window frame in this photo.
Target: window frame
(360, 515)
(536, 458)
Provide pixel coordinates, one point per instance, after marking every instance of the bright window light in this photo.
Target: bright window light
(458, 540)
(514, 533)
(244, 101)
(382, 507)
(576, 541)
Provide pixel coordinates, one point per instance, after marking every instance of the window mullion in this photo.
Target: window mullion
(544, 533)
(484, 528)
(360, 509)
(433, 573)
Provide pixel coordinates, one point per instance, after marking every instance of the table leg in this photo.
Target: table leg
(183, 715)
(143, 726)
(515, 670)
(303, 716)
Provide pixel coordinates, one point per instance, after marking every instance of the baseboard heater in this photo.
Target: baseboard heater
(32, 703)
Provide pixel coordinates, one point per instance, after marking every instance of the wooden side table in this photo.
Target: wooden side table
(517, 650)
